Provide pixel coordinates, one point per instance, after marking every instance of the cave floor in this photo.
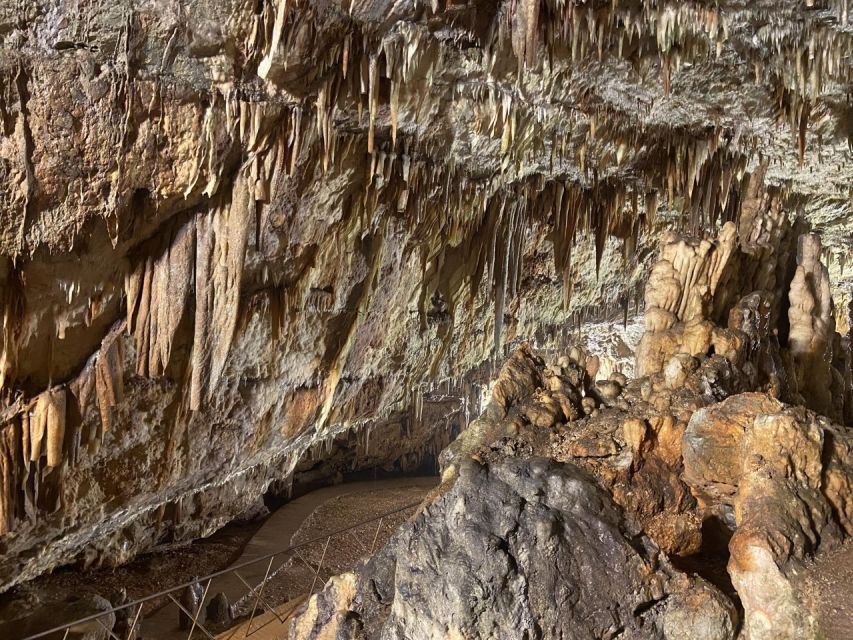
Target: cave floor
(272, 625)
(148, 573)
(827, 587)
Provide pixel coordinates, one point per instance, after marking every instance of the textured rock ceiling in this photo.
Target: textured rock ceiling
(233, 229)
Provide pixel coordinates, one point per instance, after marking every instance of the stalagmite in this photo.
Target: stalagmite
(681, 289)
(812, 324)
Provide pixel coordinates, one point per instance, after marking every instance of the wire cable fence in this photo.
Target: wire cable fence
(186, 605)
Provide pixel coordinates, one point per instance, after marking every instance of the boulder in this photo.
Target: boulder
(517, 549)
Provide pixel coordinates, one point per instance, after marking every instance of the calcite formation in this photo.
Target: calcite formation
(237, 237)
(812, 325)
(764, 467)
(709, 455)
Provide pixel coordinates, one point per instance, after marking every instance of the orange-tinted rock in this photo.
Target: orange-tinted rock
(713, 445)
(520, 376)
(783, 475)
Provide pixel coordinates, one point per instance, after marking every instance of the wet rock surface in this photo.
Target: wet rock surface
(246, 241)
(264, 224)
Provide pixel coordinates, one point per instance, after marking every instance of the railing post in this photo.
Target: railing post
(376, 535)
(181, 607)
(259, 595)
(108, 630)
(67, 627)
(133, 624)
(319, 566)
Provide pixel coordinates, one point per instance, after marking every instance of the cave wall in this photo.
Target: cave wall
(232, 231)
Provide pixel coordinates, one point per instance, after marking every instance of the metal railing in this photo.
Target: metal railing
(104, 621)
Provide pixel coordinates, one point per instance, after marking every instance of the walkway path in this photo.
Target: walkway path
(275, 534)
(266, 626)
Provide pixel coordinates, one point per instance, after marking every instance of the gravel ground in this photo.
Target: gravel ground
(827, 589)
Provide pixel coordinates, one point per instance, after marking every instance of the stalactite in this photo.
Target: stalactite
(109, 381)
(12, 310)
(13, 469)
(221, 239)
(282, 10)
(532, 31)
(55, 431)
(157, 292)
(372, 101)
(38, 426)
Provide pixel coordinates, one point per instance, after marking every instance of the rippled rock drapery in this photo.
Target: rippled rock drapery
(211, 210)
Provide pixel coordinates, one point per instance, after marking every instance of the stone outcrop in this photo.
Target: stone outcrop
(518, 548)
(763, 468)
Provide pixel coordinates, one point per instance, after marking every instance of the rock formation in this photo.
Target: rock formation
(701, 454)
(540, 550)
(812, 326)
(247, 241)
(763, 467)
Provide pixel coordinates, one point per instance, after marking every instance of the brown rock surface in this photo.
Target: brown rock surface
(762, 466)
(513, 548)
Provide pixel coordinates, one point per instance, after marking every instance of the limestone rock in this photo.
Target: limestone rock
(255, 232)
(517, 547)
(608, 390)
(519, 377)
(700, 613)
(218, 610)
(762, 466)
(713, 441)
(681, 289)
(327, 614)
(679, 367)
(812, 321)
